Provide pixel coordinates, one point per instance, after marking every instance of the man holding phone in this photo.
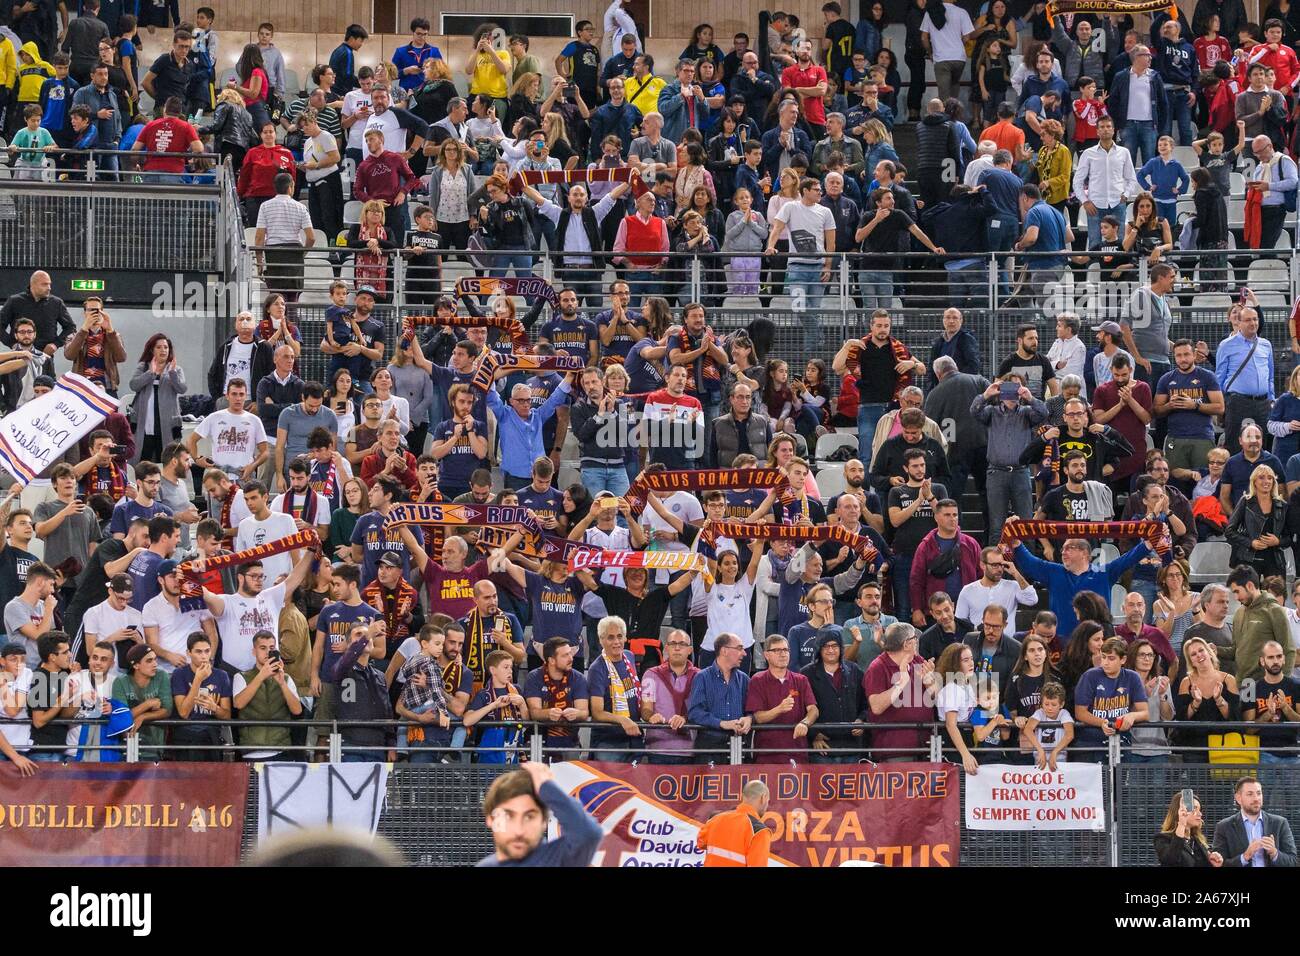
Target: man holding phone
(114, 622)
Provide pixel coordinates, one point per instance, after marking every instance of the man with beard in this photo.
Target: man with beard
(577, 235)
(889, 466)
(993, 588)
(557, 694)
(487, 628)
(837, 690)
(883, 366)
(808, 80)
(946, 629)
(515, 810)
(1188, 398)
(167, 628)
(910, 508)
(393, 598)
(1075, 573)
(866, 628)
(569, 333)
(1100, 445)
(836, 557)
(1274, 704)
(1124, 403)
(112, 557)
(307, 508)
(252, 608)
(1076, 498)
(855, 477)
(948, 403)
(1135, 508)
(1034, 369)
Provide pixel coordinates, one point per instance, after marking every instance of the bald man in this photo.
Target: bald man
(53, 323)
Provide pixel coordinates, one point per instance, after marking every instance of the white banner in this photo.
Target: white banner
(294, 796)
(40, 431)
(1006, 797)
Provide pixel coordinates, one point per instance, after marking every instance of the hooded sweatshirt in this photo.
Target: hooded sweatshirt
(840, 697)
(32, 75)
(1254, 624)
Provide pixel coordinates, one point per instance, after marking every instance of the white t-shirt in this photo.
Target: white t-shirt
(728, 611)
(394, 135)
(352, 102)
(234, 439)
(1049, 737)
(957, 698)
(239, 364)
(241, 618)
(318, 148)
(806, 228)
(947, 43)
(102, 620)
(683, 505)
(253, 532)
(403, 411)
(92, 693)
(237, 686)
(409, 649)
(20, 735)
(617, 539)
(174, 626)
(322, 507)
(975, 597)
(1072, 352)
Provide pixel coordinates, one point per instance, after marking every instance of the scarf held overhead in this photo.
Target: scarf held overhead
(1109, 6)
(192, 592)
(515, 328)
(566, 177)
(1152, 531)
(462, 515)
(527, 287)
(524, 363)
(587, 558)
(705, 479)
(859, 543)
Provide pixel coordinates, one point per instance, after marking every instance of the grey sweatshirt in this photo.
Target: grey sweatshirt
(1010, 429)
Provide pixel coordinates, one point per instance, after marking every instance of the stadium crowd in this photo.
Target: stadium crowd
(764, 165)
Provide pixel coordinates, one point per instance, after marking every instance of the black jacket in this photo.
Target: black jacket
(1173, 850)
(889, 462)
(1004, 658)
(53, 324)
(961, 224)
(587, 423)
(1231, 13)
(936, 140)
(1230, 839)
(842, 706)
(263, 365)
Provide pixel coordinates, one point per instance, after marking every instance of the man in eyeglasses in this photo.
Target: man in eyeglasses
(665, 690)
(993, 587)
(783, 698)
(995, 651)
(717, 700)
(1101, 445)
(520, 428)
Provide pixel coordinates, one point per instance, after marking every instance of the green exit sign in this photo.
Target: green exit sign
(87, 285)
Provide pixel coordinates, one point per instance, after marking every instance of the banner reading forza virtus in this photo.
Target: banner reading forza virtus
(175, 814)
(895, 815)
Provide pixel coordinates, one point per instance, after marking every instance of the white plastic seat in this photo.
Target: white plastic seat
(828, 444)
(1210, 561)
(1212, 300)
(831, 482)
(352, 212)
(1268, 274)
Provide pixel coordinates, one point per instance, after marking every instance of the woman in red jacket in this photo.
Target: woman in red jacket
(257, 175)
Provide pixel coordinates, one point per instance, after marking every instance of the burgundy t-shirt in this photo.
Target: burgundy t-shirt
(880, 677)
(764, 693)
(452, 592)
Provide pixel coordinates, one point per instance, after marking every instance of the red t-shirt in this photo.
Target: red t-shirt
(1126, 423)
(764, 693)
(167, 135)
(814, 110)
(1086, 115)
(1210, 52)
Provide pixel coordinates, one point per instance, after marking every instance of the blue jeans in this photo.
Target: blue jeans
(1139, 137)
(968, 286)
(1009, 492)
(808, 279)
(1148, 588)
(1169, 212)
(605, 479)
(877, 289)
(46, 756)
(1120, 212)
(1179, 111)
(643, 283)
(1002, 232)
(868, 416)
(502, 262)
(1266, 757)
(1141, 758)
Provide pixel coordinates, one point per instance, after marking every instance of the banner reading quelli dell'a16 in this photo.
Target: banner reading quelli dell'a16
(900, 815)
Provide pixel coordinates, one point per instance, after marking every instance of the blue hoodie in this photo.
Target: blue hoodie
(1062, 586)
(1161, 177)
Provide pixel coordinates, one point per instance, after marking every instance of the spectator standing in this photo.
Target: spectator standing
(946, 560)
(1139, 104)
(171, 74)
(1270, 193)
(944, 38)
(1253, 837)
(106, 111)
(1104, 179)
(343, 61)
(1011, 422)
(81, 40)
(1243, 367)
(938, 152)
(489, 69)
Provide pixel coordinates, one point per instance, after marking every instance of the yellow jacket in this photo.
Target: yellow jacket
(8, 63)
(644, 97)
(1054, 168)
(31, 76)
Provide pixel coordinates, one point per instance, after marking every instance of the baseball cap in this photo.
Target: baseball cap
(391, 559)
(121, 583)
(1110, 328)
(120, 719)
(138, 653)
(166, 567)
(12, 648)
(367, 290)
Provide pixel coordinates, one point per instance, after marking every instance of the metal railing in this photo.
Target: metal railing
(105, 165)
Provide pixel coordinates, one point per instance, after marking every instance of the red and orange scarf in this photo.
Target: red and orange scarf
(558, 694)
(394, 605)
(113, 484)
(901, 354)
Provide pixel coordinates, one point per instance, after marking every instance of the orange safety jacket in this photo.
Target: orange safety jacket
(736, 837)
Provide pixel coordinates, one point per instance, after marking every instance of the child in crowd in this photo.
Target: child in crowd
(990, 722)
(1052, 711)
(30, 144)
(1088, 108)
(1166, 179)
(425, 704)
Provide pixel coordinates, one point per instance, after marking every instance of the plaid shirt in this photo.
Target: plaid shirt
(413, 696)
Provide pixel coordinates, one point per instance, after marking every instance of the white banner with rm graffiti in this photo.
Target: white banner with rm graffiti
(1006, 797)
(33, 436)
(295, 796)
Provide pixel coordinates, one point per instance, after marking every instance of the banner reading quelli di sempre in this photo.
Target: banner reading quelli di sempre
(897, 815)
(116, 815)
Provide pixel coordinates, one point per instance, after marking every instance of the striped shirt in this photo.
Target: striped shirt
(284, 219)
